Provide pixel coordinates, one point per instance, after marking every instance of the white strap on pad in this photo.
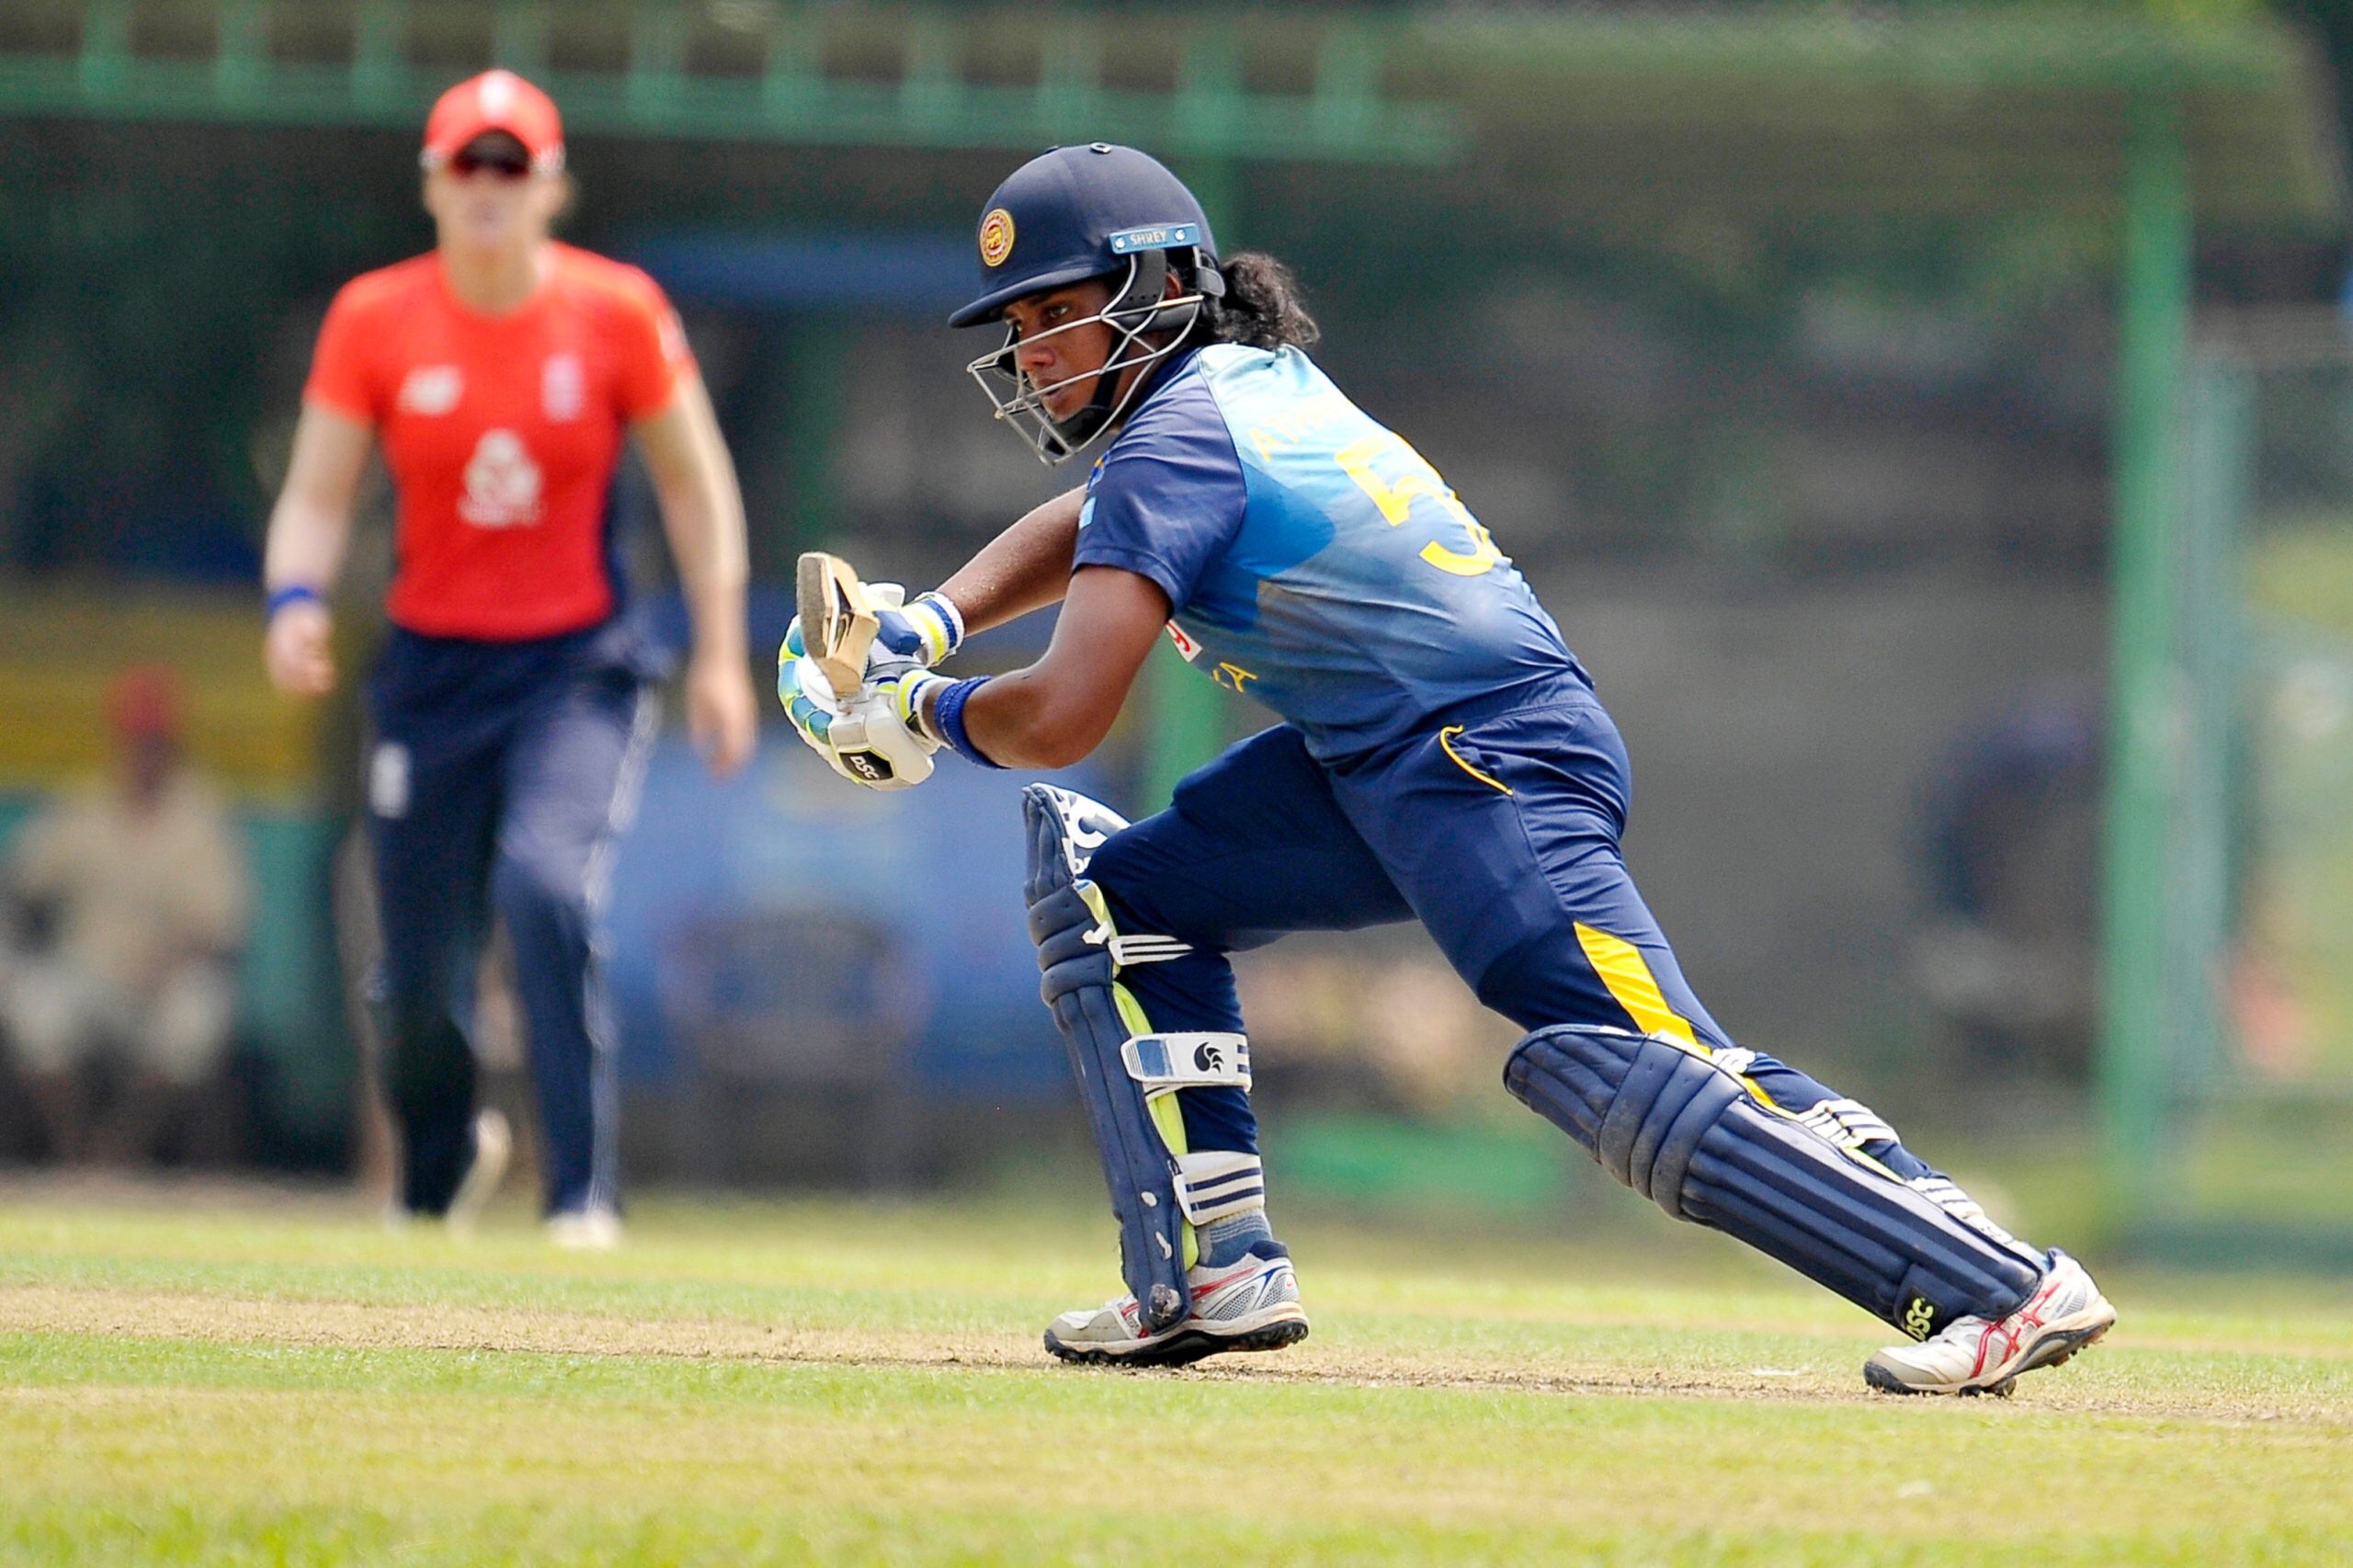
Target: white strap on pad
(1128, 951)
(1187, 1061)
(1219, 1182)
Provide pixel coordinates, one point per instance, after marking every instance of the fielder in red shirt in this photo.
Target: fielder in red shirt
(500, 374)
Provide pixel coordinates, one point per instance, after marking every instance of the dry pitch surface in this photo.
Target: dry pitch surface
(228, 1381)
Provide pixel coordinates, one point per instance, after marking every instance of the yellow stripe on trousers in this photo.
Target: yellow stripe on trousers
(1445, 740)
(1623, 969)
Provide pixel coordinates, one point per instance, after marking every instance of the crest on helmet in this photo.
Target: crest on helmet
(996, 237)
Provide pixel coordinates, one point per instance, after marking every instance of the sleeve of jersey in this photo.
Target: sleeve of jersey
(654, 353)
(340, 378)
(1169, 498)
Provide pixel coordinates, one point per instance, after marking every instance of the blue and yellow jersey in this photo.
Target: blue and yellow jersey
(1313, 560)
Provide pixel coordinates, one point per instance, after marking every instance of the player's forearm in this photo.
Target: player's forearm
(1022, 719)
(307, 544)
(705, 525)
(309, 528)
(1026, 567)
(715, 605)
(1057, 710)
(702, 514)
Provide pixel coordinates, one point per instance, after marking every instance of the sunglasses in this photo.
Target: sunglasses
(500, 162)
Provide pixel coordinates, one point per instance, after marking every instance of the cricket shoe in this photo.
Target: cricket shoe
(1976, 1355)
(494, 1148)
(1251, 1303)
(593, 1228)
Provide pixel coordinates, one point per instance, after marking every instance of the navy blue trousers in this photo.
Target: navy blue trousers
(1499, 833)
(499, 776)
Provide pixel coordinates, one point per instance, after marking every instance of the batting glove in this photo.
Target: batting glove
(923, 632)
(876, 738)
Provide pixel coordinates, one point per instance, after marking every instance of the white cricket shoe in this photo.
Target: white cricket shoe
(1251, 1303)
(1976, 1355)
(493, 1146)
(585, 1230)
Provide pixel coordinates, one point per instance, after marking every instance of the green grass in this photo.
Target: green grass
(247, 1383)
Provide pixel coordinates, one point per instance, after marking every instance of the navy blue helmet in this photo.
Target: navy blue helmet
(1079, 212)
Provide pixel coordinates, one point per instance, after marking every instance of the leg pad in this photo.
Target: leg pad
(1073, 932)
(1669, 1122)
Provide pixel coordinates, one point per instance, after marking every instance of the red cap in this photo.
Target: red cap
(495, 100)
(144, 701)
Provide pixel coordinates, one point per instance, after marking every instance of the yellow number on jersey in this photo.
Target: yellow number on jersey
(1395, 499)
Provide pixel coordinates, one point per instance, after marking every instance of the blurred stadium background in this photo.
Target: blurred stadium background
(1932, 422)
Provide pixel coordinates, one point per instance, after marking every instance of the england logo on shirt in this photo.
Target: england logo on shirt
(563, 388)
(502, 483)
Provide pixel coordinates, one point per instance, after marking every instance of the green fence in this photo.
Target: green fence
(2228, 1109)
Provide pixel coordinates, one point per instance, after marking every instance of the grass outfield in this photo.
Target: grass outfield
(227, 1383)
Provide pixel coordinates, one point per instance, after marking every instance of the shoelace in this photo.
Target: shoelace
(2029, 1315)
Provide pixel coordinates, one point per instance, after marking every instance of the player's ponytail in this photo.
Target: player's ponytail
(1262, 307)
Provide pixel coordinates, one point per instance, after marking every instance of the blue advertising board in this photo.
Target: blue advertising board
(938, 868)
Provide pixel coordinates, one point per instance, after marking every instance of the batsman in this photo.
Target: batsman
(1442, 759)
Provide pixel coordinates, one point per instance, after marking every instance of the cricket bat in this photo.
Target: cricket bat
(838, 620)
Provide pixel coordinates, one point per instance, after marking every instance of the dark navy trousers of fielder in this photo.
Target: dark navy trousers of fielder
(500, 774)
(1497, 827)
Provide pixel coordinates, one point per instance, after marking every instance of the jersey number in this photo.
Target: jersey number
(1415, 478)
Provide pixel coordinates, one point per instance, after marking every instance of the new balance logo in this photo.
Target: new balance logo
(431, 390)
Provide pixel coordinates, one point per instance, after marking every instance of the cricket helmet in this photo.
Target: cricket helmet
(1074, 214)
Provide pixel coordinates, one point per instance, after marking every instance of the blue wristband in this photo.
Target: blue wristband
(292, 593)
(947, 712)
